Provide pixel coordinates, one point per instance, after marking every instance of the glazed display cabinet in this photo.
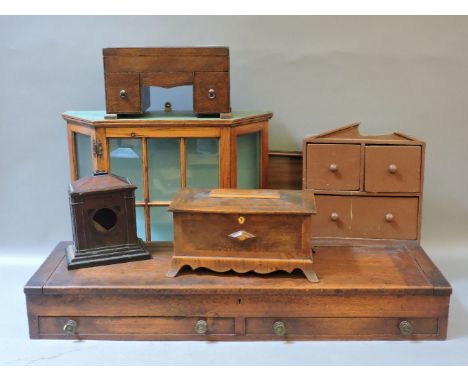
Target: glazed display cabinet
(161, 152)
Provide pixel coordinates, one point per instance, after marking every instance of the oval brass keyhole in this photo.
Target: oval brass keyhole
(241, 220)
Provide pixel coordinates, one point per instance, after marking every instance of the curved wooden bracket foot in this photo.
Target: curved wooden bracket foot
(173, 270)
(310, 274)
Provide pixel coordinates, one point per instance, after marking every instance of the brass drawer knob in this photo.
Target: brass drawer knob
(70, 327)
(279, 328)
(211, 94)
(333, 167)
(123, 94)
(334, 216)
(392, 169)
(201, 327)
(389, 217)
(406, 328)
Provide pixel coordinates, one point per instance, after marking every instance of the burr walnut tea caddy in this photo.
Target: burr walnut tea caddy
(243, 230)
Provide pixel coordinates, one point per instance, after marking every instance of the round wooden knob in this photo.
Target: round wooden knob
(333, 167)
(392, 169)
(389, 217)
(406, 328)
(70, 327)
(334, 216)
(279, 328)
(201, 327)
(123, 94)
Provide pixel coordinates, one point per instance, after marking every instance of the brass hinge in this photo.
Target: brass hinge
(97, 148)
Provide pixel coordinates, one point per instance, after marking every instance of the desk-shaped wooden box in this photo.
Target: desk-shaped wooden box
(390, 291)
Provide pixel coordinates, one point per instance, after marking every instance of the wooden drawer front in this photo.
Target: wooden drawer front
(134, 325)
(328, 208)
(209, 233)
(359, 326)
(333, 167)
(366, 217)
(118, 103)
(211, 92)
(393, 169)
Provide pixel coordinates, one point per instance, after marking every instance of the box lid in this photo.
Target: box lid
(177, 51)
(244, 201)
(100, 182)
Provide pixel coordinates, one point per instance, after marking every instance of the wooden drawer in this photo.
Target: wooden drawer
(211, 92)
(123, 93)
(333, 167)
(393, 169)
(370, 217)
(134, 325)
(351, 326)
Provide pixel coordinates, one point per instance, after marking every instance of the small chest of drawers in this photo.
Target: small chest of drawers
(366, 186)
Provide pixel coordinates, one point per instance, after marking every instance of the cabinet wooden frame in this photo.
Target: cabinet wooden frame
(350, 135)
(100, 130)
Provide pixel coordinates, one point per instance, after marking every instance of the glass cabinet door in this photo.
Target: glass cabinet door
(202, 162)
(164, 172)
(159, 167)
(248, 160)
(125, 159)
(83, 155)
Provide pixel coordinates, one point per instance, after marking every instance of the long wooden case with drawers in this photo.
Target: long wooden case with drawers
(391, 292)
(366, 186)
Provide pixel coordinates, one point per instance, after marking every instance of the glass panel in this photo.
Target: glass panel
(202, 162)
(125, 160)
(248, 161)
(140, 222)
(163, 168)
(161, 224)
(84, 167)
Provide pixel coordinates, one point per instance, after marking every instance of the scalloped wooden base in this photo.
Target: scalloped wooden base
(224, 264)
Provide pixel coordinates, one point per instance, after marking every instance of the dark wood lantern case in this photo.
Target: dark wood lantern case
(103, 219)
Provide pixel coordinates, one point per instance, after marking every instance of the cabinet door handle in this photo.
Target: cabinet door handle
(333, 167)
(211, 94)
(123, 94)
(334, 216)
